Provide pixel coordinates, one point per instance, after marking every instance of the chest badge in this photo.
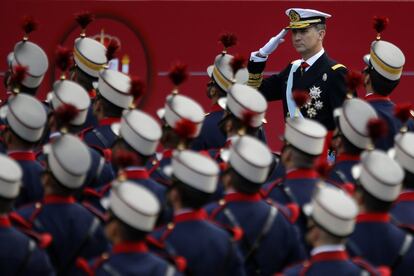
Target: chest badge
(314, 104)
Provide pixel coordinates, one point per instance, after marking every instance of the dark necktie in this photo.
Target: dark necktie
(303, 66)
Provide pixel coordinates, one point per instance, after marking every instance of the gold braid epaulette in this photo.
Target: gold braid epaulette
(255, 80)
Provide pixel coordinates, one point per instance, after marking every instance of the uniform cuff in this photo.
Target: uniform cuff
(255, 58)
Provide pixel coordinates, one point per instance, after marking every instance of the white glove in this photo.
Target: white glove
(270, 46)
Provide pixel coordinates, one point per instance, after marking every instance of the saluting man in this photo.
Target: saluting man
(314, 71)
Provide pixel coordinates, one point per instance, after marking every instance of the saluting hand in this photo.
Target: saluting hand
(273, 43)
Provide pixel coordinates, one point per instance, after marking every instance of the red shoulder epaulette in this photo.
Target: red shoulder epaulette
(83, 265)
(100, 215)
(382, 270)
(83, 132)
(290, 211)
(42, 239)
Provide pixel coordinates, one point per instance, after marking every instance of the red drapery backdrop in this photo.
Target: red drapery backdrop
(155, 34)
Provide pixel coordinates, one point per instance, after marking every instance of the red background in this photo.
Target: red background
(158, 33)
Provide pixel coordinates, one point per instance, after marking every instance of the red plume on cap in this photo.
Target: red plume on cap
(247, 117)
(137, 88)
(301, 97)
(377, 128)
(18, 75)
(66, 113)
(29, 24)
(84, 19)
(379, 24)
(123, 159)
(178, 73)
(238, 62)
(63, 58)
(403, 111)
(228, 40)
(185, 128)
(354, 79)
(112, 48)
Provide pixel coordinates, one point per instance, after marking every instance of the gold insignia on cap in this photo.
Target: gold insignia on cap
(294, 16)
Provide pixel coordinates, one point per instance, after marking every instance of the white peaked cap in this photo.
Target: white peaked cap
(89, 55)
(303, 18)
(306, 13)
(141, 131)
(306, 135)
(251, 158)
(222, 73)
(196, 170)
(27, 117)
(354, 117)
(10, 177)
(243, 99)
(114, 86)
(333, 210)
(29, 54)
(178, 107)
(69, 159)
(134, 205)
(70, 92)
(380, 175)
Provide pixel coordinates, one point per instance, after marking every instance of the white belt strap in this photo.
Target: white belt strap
(289, 99)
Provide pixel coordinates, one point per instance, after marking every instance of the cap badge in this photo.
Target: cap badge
(294, 16)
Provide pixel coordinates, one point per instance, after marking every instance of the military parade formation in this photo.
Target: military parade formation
(90, 184)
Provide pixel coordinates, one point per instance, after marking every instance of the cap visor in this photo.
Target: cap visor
(116, 127)
(210, 70)
(225, 155)
(161, 113)
(307, 209)
(222, 102)
(168, 170)
(366, 59)
(391, 153)
(356, 171)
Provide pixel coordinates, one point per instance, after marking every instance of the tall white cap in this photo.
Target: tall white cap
(29, 54)
(354, 116)
(387, 59)
(134, 205)
(196, 170)
(26, 116)
(114, 87)
(179, 107)
(69, 159)
(222, 73)
(333, 210)
(243, 99)
(305, 134)
(69, 92)
(89, 55)
(10, 177)
(141, 131)
(251, 158)
(380, 175)
(403, 151)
